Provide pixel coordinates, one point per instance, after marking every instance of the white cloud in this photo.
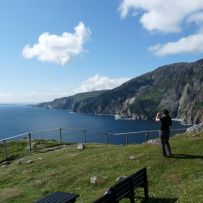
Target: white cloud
(5, 94)
(196, 18)
(169, 16)
(91, 84)
(32, 97)
(162, 15)
(98, 82)
(189, 44)
(58, 49)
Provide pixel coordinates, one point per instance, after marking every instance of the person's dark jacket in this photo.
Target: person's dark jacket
(165, 123)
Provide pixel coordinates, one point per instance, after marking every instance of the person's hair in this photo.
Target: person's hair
(165, 111)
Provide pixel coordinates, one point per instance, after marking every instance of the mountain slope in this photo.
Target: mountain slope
(177, 87)
(69, 102)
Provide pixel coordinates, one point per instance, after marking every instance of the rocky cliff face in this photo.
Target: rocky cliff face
(177, 87)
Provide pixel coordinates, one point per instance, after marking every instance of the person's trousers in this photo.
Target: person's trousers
(164, 137)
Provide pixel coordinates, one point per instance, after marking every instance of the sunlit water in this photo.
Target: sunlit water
(18, 119)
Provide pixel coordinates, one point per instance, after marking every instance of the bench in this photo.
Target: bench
(126, 187)
(59, 197)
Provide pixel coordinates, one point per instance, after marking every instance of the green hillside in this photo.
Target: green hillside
(70, 169)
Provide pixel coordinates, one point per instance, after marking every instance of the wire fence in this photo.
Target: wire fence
(60, 136)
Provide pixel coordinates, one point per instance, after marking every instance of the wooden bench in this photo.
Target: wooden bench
(59, 197)
(126, 188)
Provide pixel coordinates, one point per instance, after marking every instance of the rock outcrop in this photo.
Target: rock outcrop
(195, 129)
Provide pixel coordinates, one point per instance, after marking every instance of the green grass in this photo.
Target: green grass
(70, 169)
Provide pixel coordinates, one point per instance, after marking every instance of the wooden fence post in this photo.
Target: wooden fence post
(5, 150)
(126, 139)
(60, 134)
(106, 138)
(85, 138)
(30, 142)
(146, 136)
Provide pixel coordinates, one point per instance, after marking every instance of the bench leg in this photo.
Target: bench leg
(146, 191)
(146, 195)
(132, 196)
(132, 199)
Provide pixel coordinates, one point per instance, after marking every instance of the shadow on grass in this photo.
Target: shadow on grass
(9, 159)
(186, 156)
(160, 200)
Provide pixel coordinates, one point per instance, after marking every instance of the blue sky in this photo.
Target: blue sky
(55, 48)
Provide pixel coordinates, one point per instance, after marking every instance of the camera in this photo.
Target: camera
(161, 114)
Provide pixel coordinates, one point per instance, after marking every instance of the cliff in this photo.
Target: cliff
(71, 102)
(177, 87)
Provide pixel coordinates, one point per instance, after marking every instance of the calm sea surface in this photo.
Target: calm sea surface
(18, 119)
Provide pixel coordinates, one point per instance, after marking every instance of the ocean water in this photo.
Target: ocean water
(19, 119)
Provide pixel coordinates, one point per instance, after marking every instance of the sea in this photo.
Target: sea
(75, 127)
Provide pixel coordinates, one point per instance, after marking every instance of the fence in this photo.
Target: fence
(75, 135)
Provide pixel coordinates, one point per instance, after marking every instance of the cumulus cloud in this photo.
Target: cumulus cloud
(162, 15)
(189, 44)
(58, 49)
(168, 16)
(196, 18)
(98, 82)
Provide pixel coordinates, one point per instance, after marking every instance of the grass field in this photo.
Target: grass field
(175, 179)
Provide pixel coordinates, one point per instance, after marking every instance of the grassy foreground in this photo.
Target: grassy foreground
(176, 179)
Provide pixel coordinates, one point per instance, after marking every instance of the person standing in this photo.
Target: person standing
(164, 132)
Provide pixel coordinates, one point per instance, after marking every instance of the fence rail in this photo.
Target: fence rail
(61, 134)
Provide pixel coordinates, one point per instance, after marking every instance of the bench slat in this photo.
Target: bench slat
(138, 182)
(137, 175)
(59, 197)
(106, 198)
